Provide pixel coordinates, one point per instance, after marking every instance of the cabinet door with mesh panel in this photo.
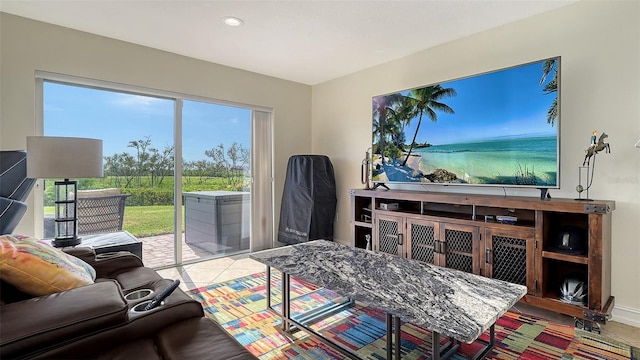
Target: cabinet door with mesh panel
(509, 255)
(422, 244)
(459, 244)
(388, 236)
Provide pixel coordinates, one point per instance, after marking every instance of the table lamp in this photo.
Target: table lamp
(50, 157)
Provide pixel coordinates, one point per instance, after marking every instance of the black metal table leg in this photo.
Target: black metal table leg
(286, 302)
(435, 345)
(268, 287)
(398, 327)
(492, 335)
(389, 336)
(492, 340)
(394, 323)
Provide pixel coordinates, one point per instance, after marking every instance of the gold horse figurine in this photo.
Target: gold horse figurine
(596, 148)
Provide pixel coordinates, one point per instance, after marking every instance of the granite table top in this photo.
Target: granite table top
(450, 302)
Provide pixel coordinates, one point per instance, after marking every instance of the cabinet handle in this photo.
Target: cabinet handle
(487, 255)
(436, 246)
(443, 247)
(400, 239)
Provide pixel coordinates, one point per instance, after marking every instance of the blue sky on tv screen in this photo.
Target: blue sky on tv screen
(506, 103)
(118, 118)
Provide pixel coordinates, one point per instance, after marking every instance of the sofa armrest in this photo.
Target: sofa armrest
(49, 321)
(85, 254)
(111, 264)
(106, 264)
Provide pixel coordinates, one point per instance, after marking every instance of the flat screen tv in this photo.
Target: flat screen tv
(499, 128)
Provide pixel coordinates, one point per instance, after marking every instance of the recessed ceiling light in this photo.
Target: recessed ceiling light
(232, 21)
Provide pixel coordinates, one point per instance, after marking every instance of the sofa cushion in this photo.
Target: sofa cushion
(136, 278)
(38, 269)
(38, 324)
(194, 338)
(139, 349)
(176, 307)
(199, 338)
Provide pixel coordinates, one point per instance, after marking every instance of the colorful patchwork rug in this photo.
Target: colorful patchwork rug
(240, 307)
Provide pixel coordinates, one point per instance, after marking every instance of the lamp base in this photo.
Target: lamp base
(66, 242)
(66, 213)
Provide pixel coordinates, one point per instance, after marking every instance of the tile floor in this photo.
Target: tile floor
(227, 268)
(212, 271)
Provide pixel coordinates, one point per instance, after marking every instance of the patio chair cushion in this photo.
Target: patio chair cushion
(98, 193)
(38, 269)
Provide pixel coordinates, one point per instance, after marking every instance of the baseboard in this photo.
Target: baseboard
(626, 315)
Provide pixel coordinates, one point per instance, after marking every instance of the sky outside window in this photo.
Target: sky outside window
(118, 118)
(208, 125)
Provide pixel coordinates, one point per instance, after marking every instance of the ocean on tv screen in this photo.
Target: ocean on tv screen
(518, 161)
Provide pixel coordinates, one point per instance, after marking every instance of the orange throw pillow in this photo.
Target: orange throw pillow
(38, 268)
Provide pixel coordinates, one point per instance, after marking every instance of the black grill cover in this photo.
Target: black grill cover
(308, 201)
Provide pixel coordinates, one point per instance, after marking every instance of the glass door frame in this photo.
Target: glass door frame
(263, 141)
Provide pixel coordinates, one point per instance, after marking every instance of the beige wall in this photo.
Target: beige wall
(600, 47)
(27, 46)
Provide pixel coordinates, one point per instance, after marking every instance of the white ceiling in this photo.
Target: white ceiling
(304, 41)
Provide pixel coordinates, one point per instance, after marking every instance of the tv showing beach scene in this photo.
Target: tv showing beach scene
(499, 128)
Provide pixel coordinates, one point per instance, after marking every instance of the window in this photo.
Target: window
(187, 163)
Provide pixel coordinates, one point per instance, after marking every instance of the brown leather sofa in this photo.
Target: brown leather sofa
(98, 322)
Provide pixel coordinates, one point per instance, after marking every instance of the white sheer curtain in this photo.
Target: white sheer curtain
(262, 182)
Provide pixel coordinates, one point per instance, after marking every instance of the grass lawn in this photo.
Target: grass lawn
(142, 221)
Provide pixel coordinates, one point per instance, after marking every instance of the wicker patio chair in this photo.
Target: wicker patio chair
(100, 211)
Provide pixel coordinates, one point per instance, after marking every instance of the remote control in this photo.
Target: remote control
(155, 302)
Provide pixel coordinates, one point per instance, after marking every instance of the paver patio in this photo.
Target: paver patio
(158, 251)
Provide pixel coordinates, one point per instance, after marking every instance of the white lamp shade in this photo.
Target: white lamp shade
(50, 157)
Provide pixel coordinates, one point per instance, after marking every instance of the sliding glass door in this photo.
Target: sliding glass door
(138, 150)
(216, 170)
(187, 165)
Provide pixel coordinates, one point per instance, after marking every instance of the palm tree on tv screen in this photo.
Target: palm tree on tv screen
(426, 100)
(396, 121)
(551, 87)
(384, 120)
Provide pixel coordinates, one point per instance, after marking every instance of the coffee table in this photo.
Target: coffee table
(448, 302)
